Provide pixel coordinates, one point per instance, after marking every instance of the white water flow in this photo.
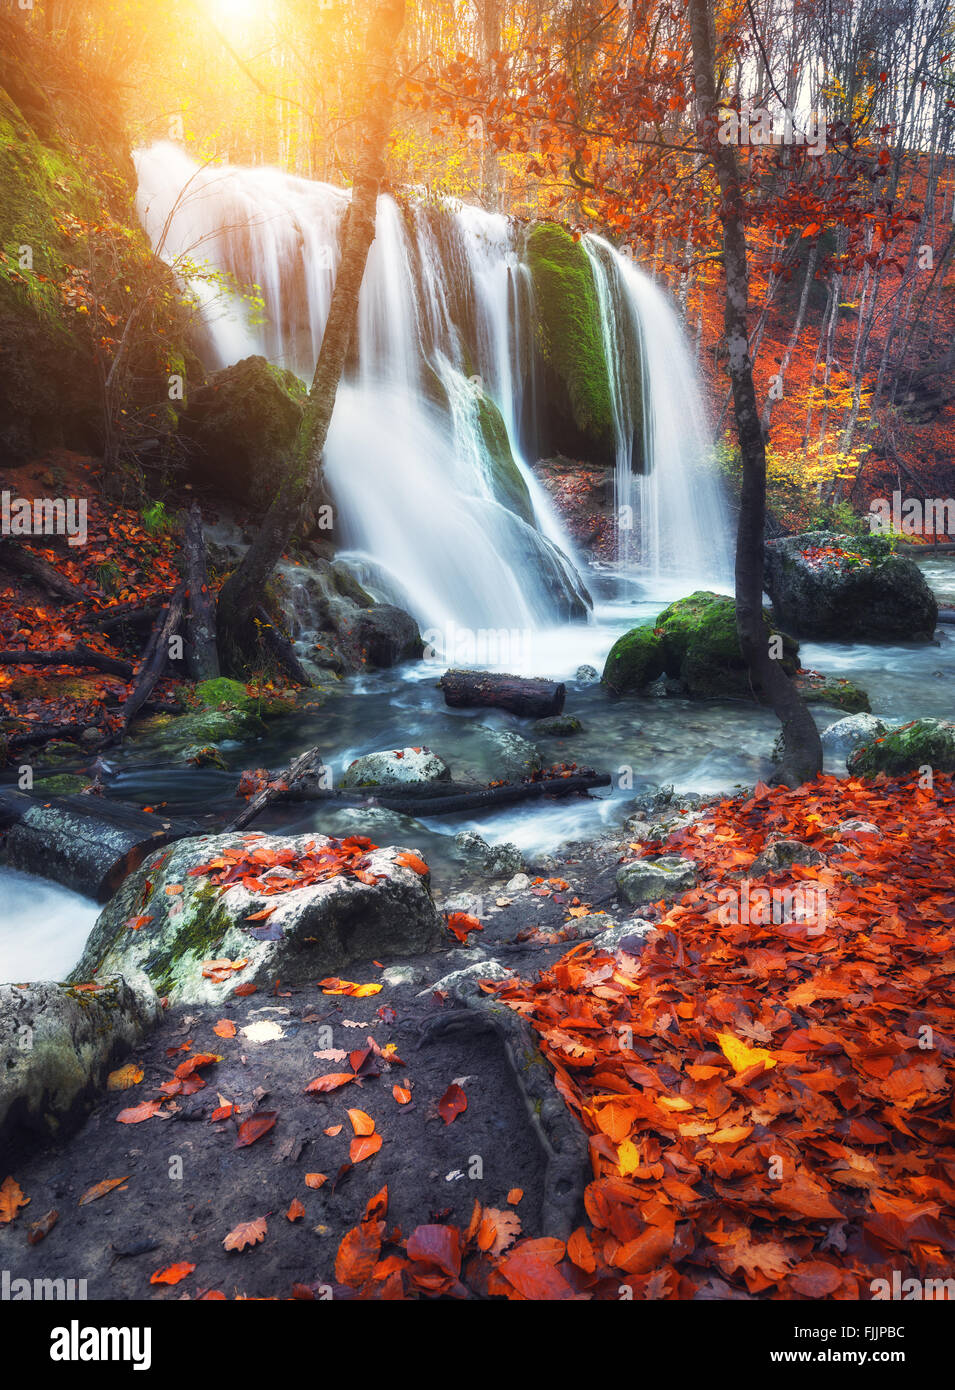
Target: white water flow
(435, 501)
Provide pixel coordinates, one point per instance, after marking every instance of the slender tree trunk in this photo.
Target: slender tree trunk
(802, 749)
(239, 642)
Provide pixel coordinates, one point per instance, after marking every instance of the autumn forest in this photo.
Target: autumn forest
(477, 625)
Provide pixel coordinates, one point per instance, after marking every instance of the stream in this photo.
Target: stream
(643, 743)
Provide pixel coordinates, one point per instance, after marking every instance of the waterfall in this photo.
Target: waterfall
(670, 511)
(428, 452)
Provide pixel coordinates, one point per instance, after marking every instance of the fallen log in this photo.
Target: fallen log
(445, 799)
(202, 657)
(17, 557)
(87, 843)
(128, 615)
(303, 771)
(78, 656)
(531, 698)
(155, 656)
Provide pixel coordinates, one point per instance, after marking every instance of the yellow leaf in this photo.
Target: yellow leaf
(628, 1159)
(741, 1057)
(124, 1077)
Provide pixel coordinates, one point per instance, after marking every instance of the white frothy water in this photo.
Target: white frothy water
(423, 457)
(43, 928)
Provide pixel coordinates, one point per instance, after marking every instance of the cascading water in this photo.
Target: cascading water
(670, 512)
(423, 459)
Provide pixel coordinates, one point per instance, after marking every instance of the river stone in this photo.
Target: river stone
(586, 675)
(866, 594)
(58, 1043)
(314, 930)
(782, 854)
(922, 743)
(846, 735)
(617, 938)
(649, 880)
(461, 983)
(513, 755)
(558, 726)
(397, 768)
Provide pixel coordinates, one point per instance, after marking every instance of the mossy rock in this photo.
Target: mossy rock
(923, 743)
(576, 406)
(507, 485)
(221, 690)
(635, 660)
(242, 422)
(60, 784)
(835, 691)
(181, 735)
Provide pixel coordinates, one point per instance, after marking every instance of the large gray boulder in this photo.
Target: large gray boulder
(399, 767)
(846, 735)
(58, 1042)
(649, 880)
(824, 585)
(170, 923)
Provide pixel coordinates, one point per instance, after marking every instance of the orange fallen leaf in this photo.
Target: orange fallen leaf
(245, 1234)
(137, 1113)
(11, 1200)
(361, 1123)
(172, 1274)
(364, 1147)
(316, 1179)
(296, 1211)
(225, 1028)
(100, 1189)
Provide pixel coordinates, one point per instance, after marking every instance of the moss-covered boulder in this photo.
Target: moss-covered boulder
(314, 930)
(575, 408)
(241, 424)
(57, 1045)
(635, 660)
(923, 743)
(178, 737)
(838, 692)
(701, 648)
(847, 588)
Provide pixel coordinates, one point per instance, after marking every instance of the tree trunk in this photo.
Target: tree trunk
(202, 658)
(802, 748)
(239, 645)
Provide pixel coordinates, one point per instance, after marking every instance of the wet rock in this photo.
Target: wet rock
(858, 827)
(177, 737)
(782, 854)
(586, 675)
(635, 661)
(314, 930)
(387, 635)
(513, 755)
(649, 880)
(57, 1044)
(464, 982)
(824, 585)
(517, 884)
(397, 768)
(624, 937)
(558, 726)
(504, 859)
(844, 736)
(835, 691)
(922, 743)
(241, 424)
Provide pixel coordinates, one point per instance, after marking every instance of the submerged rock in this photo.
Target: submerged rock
(57, 1044)
(836, 691)
(397, 768)
(558, 726)
(649, 880)
(179, 737)
(923, 743)
(824, 585)
(313, 930)
(337, 624)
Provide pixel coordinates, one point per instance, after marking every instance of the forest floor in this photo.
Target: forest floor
(768, 1102)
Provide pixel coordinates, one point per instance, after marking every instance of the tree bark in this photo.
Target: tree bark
(202, 658)
(239, 644)
(155, 656)
(802, 748)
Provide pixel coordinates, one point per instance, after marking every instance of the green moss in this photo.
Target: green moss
(223, 691)
(570, 339)
(199, 936)
(635, 659)
(923, 743)
(507, 484)
(837, 692)
(60, 784)
(701, 646)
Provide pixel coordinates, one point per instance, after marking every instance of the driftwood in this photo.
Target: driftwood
(531, 698)
(17, 557)
(298, 777)
(77, 656)
(87, 843)
(155, 656)
(281, 648)
(433, 799)
(202, 657)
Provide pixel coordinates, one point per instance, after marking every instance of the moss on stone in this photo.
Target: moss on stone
(922, 743)
(224, 691)
(507, 484)
(60, 784)
(635, 659)
(701, 646)
(837, 692)
(570, 344)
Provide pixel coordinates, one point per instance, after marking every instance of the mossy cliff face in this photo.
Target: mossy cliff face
(73, 261)
(575, 410)
(693, 641)
(506, 482)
